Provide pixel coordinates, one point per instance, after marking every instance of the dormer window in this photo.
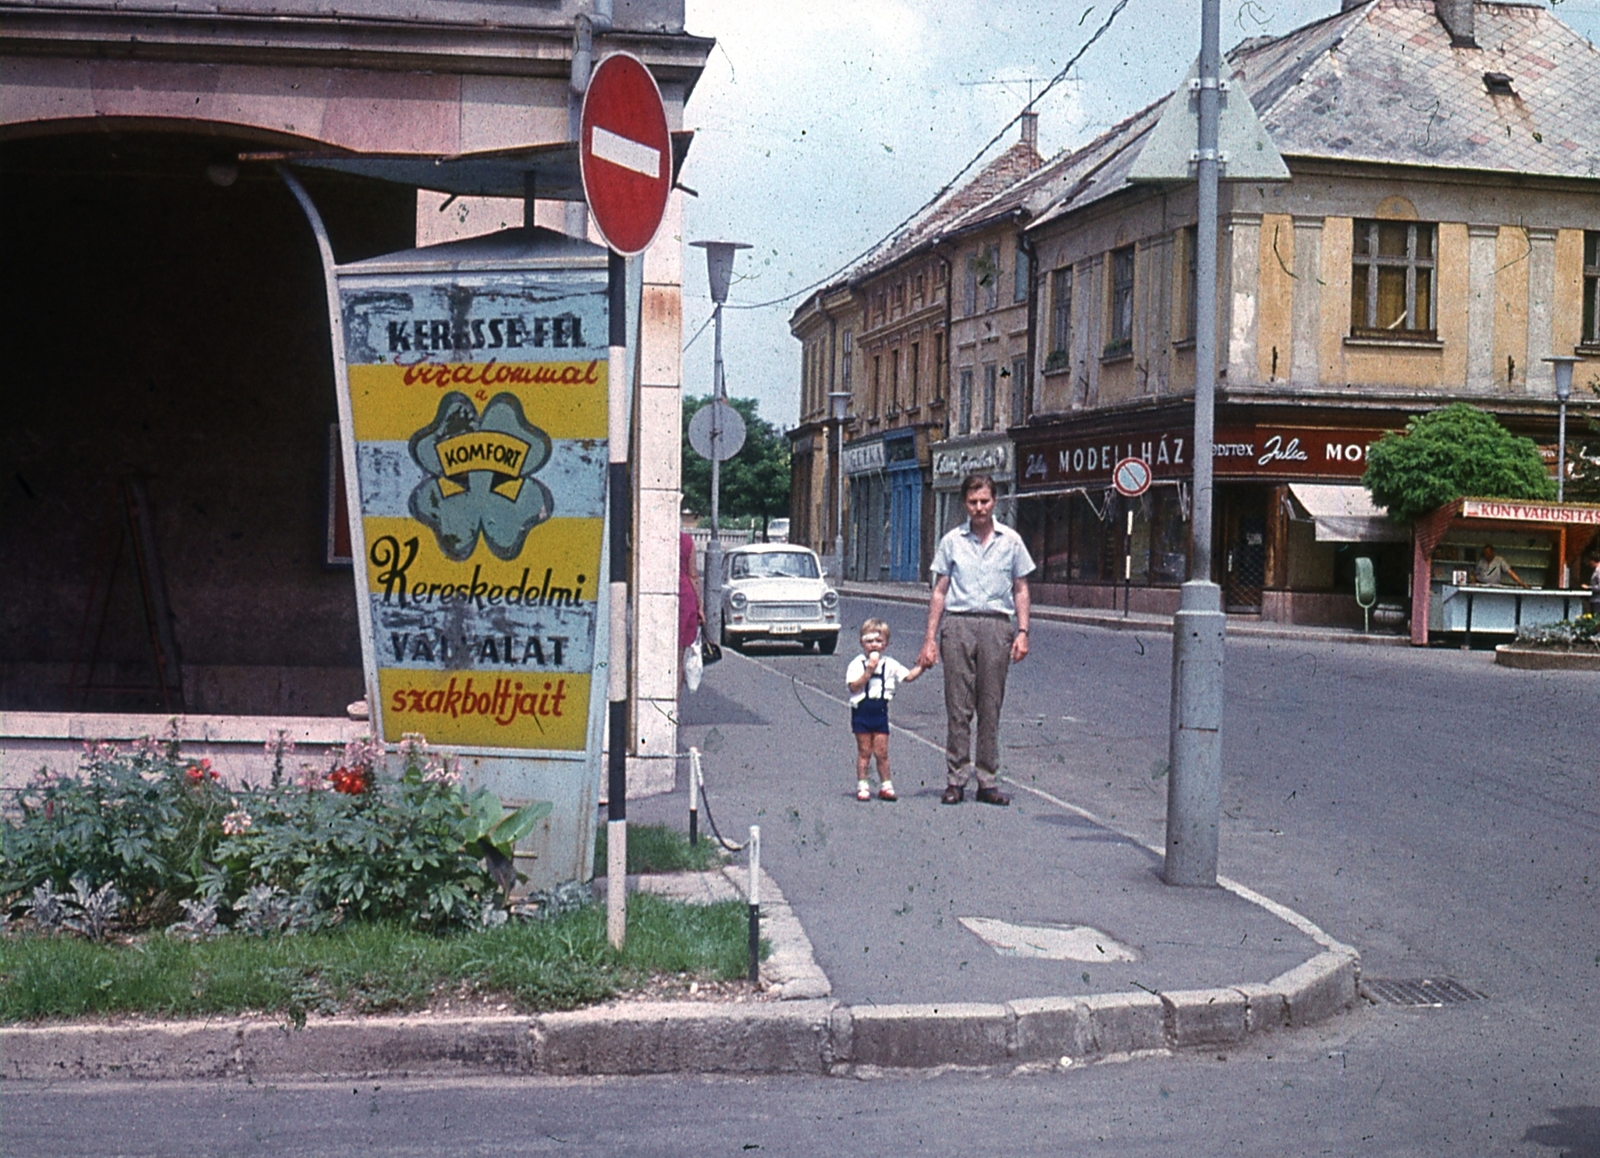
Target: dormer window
(1498, 84)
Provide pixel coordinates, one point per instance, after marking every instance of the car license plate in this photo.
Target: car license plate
(785, 629)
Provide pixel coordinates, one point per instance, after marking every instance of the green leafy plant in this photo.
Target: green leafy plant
(1573, 634)
(143, 820)
(1450, 453)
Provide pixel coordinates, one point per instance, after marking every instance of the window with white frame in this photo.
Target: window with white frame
(1391, 280)
(991, 276)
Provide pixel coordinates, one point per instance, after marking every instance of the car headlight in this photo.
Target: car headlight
(830, 599)
(738, 600)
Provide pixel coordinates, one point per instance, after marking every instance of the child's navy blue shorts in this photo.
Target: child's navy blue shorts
(870, 717)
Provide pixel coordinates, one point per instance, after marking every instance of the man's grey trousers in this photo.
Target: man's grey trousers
(976, 653)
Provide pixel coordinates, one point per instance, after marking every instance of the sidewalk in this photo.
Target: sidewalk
(907, 934)
(1248, 626)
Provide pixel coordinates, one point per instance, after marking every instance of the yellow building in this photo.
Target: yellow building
(1438, 240)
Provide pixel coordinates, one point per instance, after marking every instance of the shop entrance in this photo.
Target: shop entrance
(1244, 548)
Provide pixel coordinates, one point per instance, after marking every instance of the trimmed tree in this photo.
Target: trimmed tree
(1447, 454)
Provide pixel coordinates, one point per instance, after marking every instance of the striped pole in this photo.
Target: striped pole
(755, 903)
(694, 796)
(620, 485)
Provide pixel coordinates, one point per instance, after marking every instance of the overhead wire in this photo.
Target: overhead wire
(1104, 27)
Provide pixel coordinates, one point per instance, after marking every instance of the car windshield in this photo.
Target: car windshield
(773, 565)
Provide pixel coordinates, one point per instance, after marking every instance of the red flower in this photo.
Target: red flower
(201, 771)
(351, 781)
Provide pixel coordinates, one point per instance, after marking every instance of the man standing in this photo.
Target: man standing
(1493, 571)
(980, 585)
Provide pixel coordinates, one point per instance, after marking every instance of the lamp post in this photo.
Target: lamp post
(719, 272)
(1563, 367)
(839, 400)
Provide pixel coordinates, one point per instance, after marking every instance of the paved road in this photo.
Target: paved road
(1433, 810)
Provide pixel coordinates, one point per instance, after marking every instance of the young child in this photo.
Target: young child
(872, 677)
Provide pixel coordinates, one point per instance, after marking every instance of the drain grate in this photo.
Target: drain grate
(1426, 992)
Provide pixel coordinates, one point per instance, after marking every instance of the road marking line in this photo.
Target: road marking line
(626, 152)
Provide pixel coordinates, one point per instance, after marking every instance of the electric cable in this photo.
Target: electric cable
(948, 185)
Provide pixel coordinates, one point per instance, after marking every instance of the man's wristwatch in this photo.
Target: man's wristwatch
(1022, 631)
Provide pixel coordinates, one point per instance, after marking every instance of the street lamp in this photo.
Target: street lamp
(719, 272)
(1563, 368)
(839, 400)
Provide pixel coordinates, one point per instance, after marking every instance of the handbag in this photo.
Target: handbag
(710, 652)
(693, 669)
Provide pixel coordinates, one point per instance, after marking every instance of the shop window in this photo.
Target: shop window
(1591, 288)
(964, 404)
(1019, 275)
(1121, 303)
(990, 387)
(1169, 537)
(1089, 552)
(1391, 282)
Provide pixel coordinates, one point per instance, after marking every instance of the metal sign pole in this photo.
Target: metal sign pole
(1194, 779)
(621, 512)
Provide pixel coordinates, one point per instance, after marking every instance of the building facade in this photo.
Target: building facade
(176, 306)
(1402, 268)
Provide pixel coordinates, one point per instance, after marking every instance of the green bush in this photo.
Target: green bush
(1583, 632)
(144, 820)
(315, 850)
(1448, 454)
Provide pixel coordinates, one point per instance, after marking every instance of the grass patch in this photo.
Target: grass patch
(535, 966)
(657, 848)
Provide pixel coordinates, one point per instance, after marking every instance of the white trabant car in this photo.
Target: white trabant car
(775, 593)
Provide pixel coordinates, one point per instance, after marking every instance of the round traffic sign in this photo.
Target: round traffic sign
(729, 433)
(1131, 477)
(625, 153)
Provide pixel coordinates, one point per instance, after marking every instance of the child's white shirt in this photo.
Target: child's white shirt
(890, 672)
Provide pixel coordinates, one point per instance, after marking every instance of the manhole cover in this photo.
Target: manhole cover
(1420, 992)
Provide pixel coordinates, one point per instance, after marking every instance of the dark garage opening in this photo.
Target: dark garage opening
(168, 355)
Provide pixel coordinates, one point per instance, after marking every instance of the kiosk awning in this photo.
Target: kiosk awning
(1344, 513)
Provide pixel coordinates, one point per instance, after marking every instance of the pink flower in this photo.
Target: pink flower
(279, 745)
(442, 770)
(236, 822)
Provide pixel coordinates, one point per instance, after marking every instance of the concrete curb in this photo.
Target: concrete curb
(1143, 621)
(815, 1036)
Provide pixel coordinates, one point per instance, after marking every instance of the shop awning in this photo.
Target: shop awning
(1344, 513)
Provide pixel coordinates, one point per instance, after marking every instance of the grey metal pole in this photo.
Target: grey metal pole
(1194, 779)
(1561, 454)
(838, 496)
(711, 580)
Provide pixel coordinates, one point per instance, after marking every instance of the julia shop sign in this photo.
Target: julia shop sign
(479, 413)
(1238, 452)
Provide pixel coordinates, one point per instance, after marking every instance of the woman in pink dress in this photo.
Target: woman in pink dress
(690, 615)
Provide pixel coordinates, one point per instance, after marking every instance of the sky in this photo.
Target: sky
(821, 124)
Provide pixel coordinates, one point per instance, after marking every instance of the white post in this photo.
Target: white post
(755, 903)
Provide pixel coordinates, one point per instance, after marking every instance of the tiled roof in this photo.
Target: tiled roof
(953, 209)
(1381, 83)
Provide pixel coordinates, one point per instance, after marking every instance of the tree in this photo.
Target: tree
(1450, 453)
(755, 482)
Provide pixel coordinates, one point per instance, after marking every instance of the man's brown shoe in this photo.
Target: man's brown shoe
(953, 795)
(992, 796)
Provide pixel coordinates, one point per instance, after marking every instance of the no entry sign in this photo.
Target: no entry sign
(625, 153)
